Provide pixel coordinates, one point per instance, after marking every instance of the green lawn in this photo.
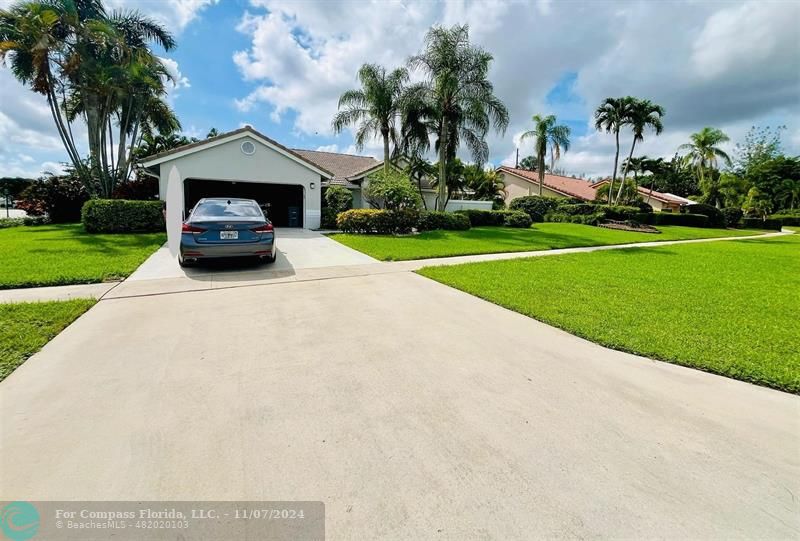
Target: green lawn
(732, 308)
(26, 327)
(489, 240)
(62, 254)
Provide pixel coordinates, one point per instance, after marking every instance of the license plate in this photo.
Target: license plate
(228, 235)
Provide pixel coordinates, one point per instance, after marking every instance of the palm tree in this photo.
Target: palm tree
(486, 185)
(547, 134)
(610, 116)
(788, 193)
(419, 168)
(704, 152)
(642, 114)
(374, 108)
(456, 98)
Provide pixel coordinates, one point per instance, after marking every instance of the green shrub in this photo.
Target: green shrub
(786, 219)
(391, 190)
(377, 221)
(479, 217)
(621, 212)
(328, 218)
(535, 206)
(731, 216)
(758, 223)
(35, 220)
(338, 199)
(61, 198)
(454, 221)
(576, 209)
(586, 219)
(789, 212)
(517, 218)
(11, 222)
(669, 218)
(122, 216)
(143, 188)
(642, 206)
(715, 216)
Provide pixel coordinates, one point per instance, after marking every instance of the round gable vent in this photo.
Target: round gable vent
(248, 148)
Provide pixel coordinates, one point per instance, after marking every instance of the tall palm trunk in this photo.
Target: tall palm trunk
(616, 161)
(625, 171)
(541, 173)
(441, 201)
(93, 120)
(385, 134)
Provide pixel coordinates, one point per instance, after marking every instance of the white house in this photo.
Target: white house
(246, 163)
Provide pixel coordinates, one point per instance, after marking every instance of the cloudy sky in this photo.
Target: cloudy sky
(280, 65)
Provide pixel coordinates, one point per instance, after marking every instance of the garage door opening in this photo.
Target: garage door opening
(282, 203)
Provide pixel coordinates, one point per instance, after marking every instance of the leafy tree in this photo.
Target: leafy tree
(775, 178)
(610, 116)
(391, 190)
(642, 114)
(704, 154)
(418, 169)
(760, 145)
(788, 193)
(485, 185)
(93, 64)
(374, 107)
(456, 102)
(675, 176)
(213, 132)
(757, 204)
(528, 163)
(338, 198)
(546, 135)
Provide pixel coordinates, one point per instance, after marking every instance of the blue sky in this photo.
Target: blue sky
(280, 65)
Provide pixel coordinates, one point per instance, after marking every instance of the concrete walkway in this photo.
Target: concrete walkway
(412, 410)
(304, 255)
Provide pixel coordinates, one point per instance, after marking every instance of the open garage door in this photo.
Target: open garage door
(283, 203)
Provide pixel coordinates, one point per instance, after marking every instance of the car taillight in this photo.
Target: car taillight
(266, 228)
(187, 228)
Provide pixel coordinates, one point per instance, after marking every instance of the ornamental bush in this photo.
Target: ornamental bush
(517, 218)
(391, 190)
(586, 219)
(731, 216)
(669, 218)
(453, 221)
(535, 206)
(478, 217)
(338, 199)
(122, 216)
(377, 221)
(59, 197)
(715, 216)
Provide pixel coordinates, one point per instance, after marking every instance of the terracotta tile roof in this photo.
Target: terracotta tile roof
(645, 192)
(343, 166)
(572, 187)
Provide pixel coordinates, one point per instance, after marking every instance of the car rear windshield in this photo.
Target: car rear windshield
(221, 209)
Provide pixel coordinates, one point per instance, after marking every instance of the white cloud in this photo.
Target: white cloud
(729, 65)
(174, 14)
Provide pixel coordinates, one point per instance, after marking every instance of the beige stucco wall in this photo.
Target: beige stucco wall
(517, 187)
(226, 161)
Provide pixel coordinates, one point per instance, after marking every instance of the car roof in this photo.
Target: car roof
(227, 200)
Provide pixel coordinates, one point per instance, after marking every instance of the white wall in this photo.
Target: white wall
(463, 204)
(226, 161)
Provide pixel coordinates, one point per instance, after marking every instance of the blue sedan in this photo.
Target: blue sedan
(219, 227)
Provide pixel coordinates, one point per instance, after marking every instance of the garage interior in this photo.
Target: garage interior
(282, 203)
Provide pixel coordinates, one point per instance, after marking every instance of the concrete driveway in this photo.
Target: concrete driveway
(297, 249)
(413, 411)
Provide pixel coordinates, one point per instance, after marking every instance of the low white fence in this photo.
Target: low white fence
(464, 204)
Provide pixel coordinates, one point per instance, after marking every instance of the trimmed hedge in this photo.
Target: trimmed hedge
(377, 221)
(715, 216)
(786, 219)
(535, 206)
(453, 221)
(478, 217)
(517, 218)
(586, 219)
(122, 216)
(758, 223)
(669, 218)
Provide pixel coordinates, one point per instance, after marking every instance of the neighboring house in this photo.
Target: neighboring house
(521, 182)
(658, 200)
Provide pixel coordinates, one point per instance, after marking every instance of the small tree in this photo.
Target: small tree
(338, 199)
(391, 190)
(758, 204)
